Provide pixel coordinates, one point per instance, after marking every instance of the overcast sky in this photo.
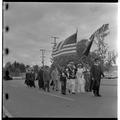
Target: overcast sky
(33, 24)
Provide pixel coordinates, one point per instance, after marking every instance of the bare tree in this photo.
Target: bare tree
(112, 55)
(102, 47)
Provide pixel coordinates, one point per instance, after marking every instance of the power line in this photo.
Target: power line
(55, 40)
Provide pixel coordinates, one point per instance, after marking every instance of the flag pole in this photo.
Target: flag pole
(76, 32)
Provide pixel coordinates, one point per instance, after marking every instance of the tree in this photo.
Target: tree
(22, 67)
(102, 47)
(6, 68)
(17, 72)
(111, 59)
(8, 65)
(113, 56)
(89, 60)
(15, 68)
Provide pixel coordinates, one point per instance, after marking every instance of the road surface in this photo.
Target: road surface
(32, 102)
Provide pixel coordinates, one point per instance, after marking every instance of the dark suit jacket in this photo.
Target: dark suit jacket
(96, 73)
(46, 75)
(40, 75)
(40, 78)
(28, 76)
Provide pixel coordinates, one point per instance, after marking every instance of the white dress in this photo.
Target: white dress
(80, 81)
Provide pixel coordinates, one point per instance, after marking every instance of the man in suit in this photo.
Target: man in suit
(28, 77)
(46, 78)
(96, 73)
(40, 79)
(55, 78)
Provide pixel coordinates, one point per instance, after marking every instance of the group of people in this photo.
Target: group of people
(69, 79)
(30, 78)
(43, 77)
(72, 79)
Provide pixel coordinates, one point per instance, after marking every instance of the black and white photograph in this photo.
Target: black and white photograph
(59, 60)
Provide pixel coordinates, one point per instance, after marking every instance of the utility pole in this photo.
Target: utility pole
(55, 40)
(43, 56)
(54, 43)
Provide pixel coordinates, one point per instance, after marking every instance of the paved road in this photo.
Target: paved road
(32, 102)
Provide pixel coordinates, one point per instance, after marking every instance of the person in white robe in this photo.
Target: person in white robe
(80, 80)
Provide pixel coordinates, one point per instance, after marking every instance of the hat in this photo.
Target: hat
(69, 65)
(79, 65)
(71, 62)
(96, 59)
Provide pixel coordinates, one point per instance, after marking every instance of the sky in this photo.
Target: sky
(33, 24)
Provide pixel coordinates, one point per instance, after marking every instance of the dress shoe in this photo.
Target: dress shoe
(69, 91)
(99, 95)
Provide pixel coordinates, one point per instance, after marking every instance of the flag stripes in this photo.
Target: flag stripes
(58, 46)
(64, 52)
(65, 47)
(69, 45)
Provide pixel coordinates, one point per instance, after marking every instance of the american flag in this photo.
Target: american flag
(66, 46)
(101, 32)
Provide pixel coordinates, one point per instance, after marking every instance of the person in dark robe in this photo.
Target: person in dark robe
(90, 83)
(33, 78)
(27, 79)
(40, 79)
(63, 79)
(96, 73)
(30, 78)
